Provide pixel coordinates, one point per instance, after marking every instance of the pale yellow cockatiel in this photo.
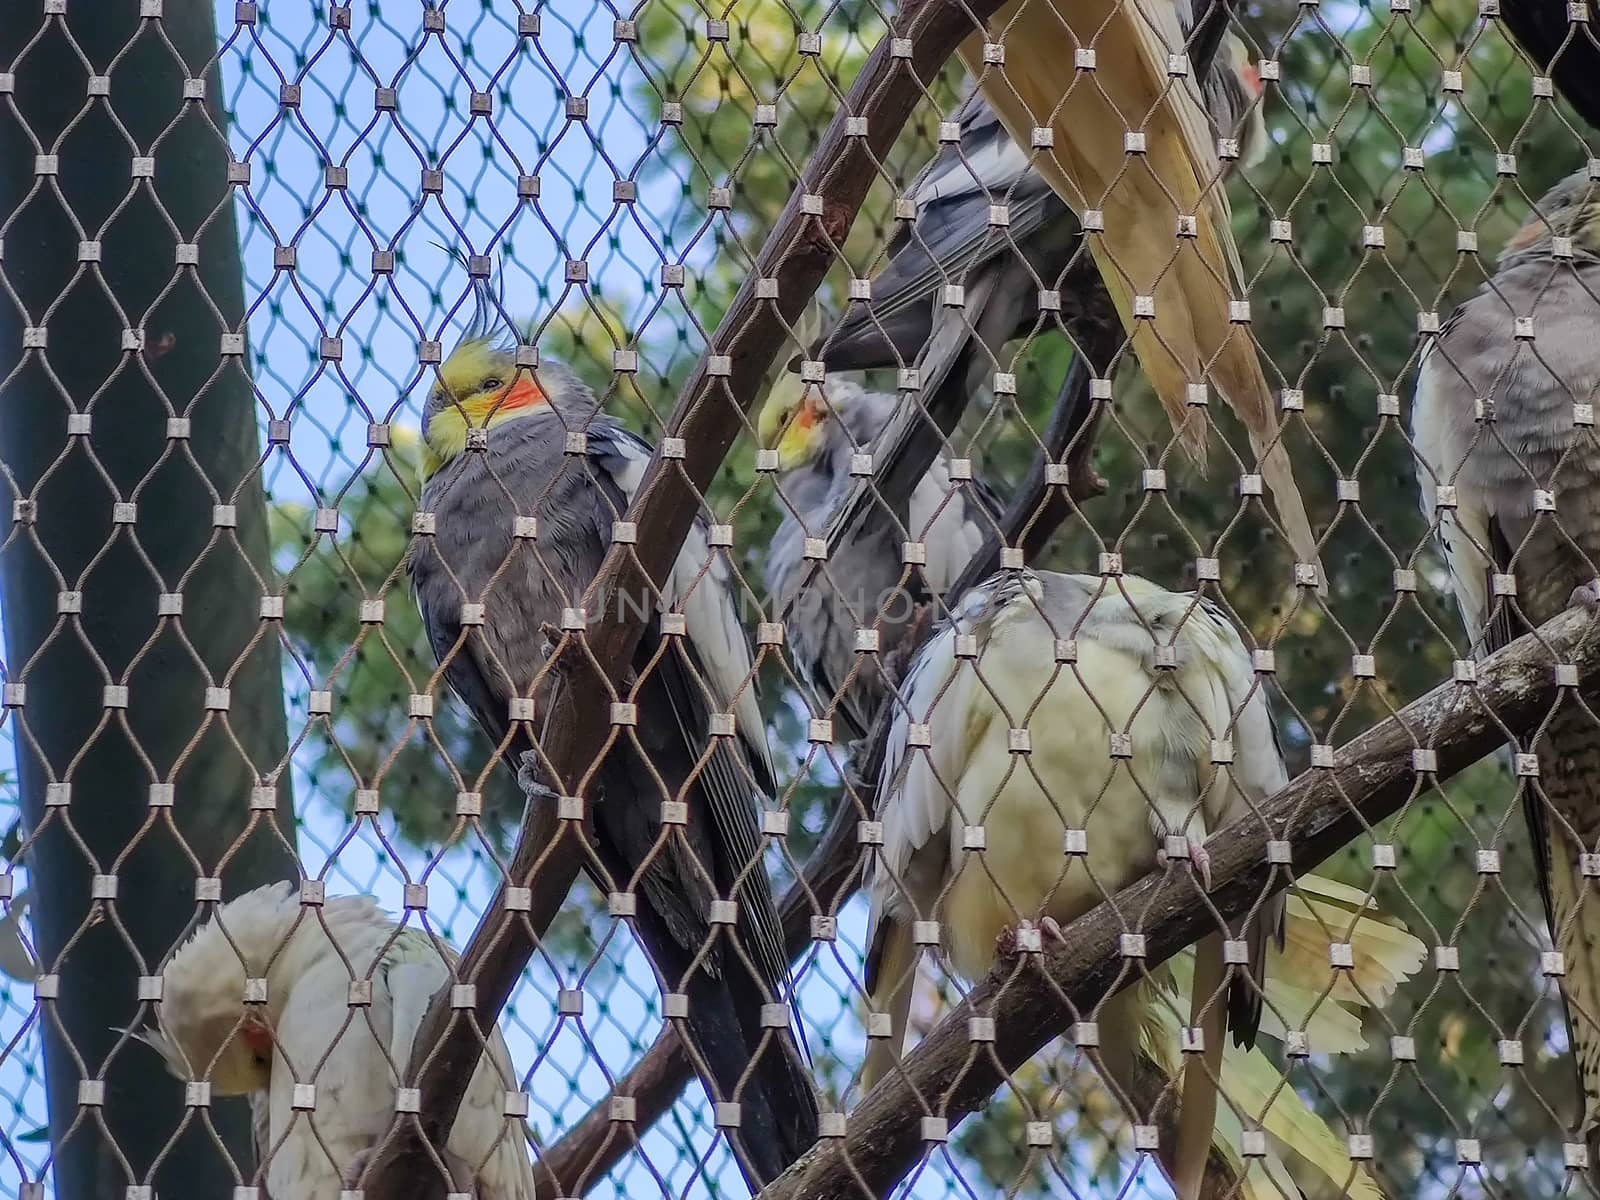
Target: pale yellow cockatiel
(1142, 189)
(311, 1031)
(1080, 723)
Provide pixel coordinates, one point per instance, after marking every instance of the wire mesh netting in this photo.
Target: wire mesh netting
(305, 306)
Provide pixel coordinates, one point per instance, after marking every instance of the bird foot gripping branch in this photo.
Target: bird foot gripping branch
(1027, 937)
(530, 778)
(1191, 848)
(1587, 597)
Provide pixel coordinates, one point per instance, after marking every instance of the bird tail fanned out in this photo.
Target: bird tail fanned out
(891, 978)
(1306, 1156)
(1197, 1110)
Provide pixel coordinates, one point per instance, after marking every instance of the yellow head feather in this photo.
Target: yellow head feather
(478, 386)
(206, 1031)
(792, 421)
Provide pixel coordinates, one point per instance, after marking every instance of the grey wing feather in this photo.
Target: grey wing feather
(713, 651)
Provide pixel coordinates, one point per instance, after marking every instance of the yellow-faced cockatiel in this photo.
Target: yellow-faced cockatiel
(1051, 706)
(526, 481)
(1130, 141)
(319, 1058)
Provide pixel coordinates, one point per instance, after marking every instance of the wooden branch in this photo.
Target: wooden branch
(709, 415)
(1031, 997)
(584, 1154)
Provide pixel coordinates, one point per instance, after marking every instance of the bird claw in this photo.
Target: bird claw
(1199, 860)
(530, 778)
(1027, 937)
(1587, 597)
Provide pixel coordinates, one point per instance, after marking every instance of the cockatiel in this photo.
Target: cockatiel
(520, 527)
(1054, 703)
(313, 1029)
(1001, 270)
(1501, 417)
(815, 431)
(1131, 143)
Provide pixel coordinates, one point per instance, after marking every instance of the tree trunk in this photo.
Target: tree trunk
(63, 538)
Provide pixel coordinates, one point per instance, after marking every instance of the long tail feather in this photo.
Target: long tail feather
(892, 980)
(1186, 275)
(1197, 1113)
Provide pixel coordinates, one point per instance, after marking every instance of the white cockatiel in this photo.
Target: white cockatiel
(1076, 720)
(309, 1031)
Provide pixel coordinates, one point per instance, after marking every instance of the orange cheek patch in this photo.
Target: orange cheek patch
(257, 1036)
(1527, 235)
(524, 393)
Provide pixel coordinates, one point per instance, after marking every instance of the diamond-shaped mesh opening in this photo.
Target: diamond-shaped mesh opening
(339, 340)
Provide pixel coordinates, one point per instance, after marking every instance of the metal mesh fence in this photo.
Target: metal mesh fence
(605, 178)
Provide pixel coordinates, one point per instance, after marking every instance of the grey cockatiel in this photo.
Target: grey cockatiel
(1067, 661)
(1494, 419)
(308, 1032)
(524, 582)
(950, 241)
(1001, 270)
(863, 585)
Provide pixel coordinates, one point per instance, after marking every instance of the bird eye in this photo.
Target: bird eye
(491, 383)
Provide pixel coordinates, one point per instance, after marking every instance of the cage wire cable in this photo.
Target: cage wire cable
(617, 172)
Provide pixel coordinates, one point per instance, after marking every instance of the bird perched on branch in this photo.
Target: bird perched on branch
(816, 431)
(522, 521)
(1079, 722)
(1502, 416)
(313, 1028)
(1131, 144)
(1002, 269)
